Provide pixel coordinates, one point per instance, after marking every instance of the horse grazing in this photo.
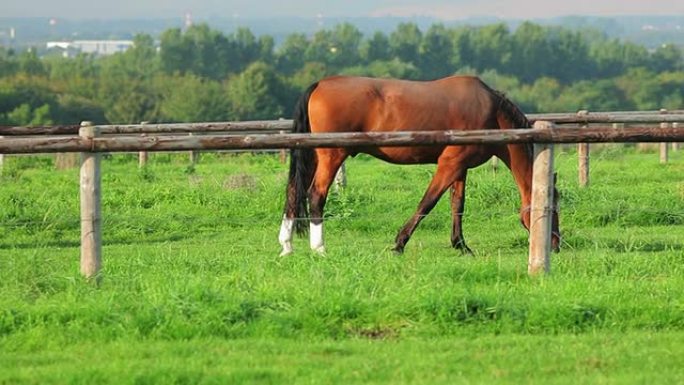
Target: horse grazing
(357, 104)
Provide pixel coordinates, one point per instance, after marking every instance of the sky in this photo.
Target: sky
(442, 9)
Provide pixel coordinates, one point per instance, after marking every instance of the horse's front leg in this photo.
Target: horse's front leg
(447, 172)
(457, 207)
(329, 161)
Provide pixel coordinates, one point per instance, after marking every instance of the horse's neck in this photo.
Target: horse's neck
(521, 168)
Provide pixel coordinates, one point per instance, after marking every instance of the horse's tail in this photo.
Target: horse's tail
(302, 167)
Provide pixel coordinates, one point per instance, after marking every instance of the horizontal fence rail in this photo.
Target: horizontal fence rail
(275, 126)
(150, 128)
(585, 117)
(349, 139)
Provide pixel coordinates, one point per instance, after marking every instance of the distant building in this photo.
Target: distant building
(97, 47)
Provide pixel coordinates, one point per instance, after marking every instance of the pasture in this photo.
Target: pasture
(193, 290)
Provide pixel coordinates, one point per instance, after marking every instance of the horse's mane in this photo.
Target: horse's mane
(515, 114)
(512, 110)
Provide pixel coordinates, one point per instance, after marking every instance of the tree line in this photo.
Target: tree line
(202, 74)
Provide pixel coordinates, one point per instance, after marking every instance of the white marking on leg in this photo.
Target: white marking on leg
(316, 237)
(285, 237)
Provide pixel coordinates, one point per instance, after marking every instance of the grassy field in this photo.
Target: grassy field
(193, 290)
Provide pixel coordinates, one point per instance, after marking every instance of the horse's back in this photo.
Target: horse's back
(369, 104)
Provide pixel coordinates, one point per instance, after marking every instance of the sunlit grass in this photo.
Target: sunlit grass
(193, 290)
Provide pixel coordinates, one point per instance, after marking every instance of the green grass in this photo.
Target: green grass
(193, 290)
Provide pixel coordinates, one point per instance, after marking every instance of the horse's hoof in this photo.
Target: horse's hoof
(462, 247)
(287, 250)
(466, 251)
(398, 250)
(320, 250)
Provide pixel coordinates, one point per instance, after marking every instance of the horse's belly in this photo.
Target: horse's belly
(406, 155)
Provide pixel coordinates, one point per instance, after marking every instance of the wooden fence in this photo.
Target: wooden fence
(583, 119)
(94, 140)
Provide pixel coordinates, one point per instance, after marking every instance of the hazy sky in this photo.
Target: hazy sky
(451, 9)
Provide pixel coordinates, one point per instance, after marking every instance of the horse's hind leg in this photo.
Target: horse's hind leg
(447, 173)
(329, 161)
(457, 206)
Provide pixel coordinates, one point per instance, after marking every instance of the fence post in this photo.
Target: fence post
(495, 163)
(142, 155)
(91, 220)
(675, 145)
(66, 160)
(583, 156)
(283, 152)
(194, 155)
(663, 145)
(2, 159)
(541, 208)
(341, 177)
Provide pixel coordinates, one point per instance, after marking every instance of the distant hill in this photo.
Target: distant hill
(651, 31)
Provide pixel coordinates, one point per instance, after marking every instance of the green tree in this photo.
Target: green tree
(345, 50)
(139, 62)
(266, 49)
(376, 48)
(463, 50)
(191, 98)
(307, 75)
(8, 64)
(531, 55)
(142, 58)
(436, 53)
(321, 47)
(129, 101)
(25, 115)
(32, 91)
(213, 55)
(290, 56)
(672, 90)
(206, 52)
(257, 93)
(175, 52)
(74, 109)
(247, 49)
(541, 96)
(29, 63)
(667, 58)
(405, 43)
(394, 68)
(492, 48)
(612, 57)
(601, 95)
(569, 56)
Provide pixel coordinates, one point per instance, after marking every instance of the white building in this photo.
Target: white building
(97, 47)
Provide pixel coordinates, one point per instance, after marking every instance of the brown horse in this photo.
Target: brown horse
(354, 104)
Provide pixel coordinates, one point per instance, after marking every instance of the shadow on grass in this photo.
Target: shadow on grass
(625, 246)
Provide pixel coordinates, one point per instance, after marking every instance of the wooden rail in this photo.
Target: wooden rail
(149, 128)
(275, 126)
(39, 144)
